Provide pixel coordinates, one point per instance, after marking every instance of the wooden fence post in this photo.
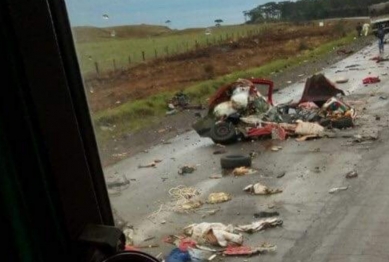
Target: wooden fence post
(114, 64)
(97, 68)
(143, 55)
(129, 59)
(155, 53)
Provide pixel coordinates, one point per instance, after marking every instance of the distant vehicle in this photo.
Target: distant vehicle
(379, 15)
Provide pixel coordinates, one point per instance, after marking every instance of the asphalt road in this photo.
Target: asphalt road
(350, 225)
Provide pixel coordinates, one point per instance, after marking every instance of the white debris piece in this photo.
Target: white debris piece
(260, 225)
(213, 233)
(259, 189)
(224, 109)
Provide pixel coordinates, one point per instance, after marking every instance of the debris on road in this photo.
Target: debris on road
(341, 80)
(219, 197)
(176, 255)
(242, 171)
(191, 204)
(152, 164)
(264, 214)
(197, 254)
(234, 161)
(249, 251)
(119, 183)
(216, 234)
(276, 148)
(216, 176)
(352, 174)
(220, 151)
(281, 175)
(260, 225)
(187, 169)
(337, 189)
(239, 111)
(371, 80)
(259, 189)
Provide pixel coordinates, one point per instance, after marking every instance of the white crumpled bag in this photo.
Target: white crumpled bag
(223, 234)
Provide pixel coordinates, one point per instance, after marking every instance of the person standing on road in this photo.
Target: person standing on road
(359, 29)
(365, 29)
(381, 35)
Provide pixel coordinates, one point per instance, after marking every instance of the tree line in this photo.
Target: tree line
(304, 10)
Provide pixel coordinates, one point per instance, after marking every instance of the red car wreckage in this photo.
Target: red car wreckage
(240, 111)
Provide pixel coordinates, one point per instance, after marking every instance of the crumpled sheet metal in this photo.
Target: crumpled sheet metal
(260, 225)
(216, 234)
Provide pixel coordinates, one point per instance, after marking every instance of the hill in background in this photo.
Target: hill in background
(93, 34)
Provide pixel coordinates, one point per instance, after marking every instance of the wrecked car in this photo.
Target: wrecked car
(240, 110)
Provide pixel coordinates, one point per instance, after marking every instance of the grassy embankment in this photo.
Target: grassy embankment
(96, 45)
(135, 115)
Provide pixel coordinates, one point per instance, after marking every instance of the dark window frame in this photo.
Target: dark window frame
(47, 128)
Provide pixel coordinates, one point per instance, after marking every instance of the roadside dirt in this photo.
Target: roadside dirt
(181, 70)
(173, 125)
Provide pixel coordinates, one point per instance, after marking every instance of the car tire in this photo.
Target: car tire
(234, 161)
(342, 123)
(223, 133)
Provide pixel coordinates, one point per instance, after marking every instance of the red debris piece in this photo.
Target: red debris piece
(371, 80)
(185, 243)
(239, 251)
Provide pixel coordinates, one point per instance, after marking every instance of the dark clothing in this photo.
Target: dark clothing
(381, 36)
(359, 29)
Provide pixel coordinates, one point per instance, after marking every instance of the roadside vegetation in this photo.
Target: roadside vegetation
(118, 48)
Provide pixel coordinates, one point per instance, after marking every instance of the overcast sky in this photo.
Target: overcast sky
(181, 13)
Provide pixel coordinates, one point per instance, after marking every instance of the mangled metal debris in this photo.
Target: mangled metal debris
(240, 111)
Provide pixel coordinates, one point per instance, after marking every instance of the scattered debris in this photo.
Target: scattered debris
(336, 189)
(276, 148)
(119, 182)
(352, 174)
(197, 254)
(344, 52)
(260, 225)
(371, 80)
(259, 189)
(242, 171)
(220, 151)
(216, 176)
(234, 161)
(152, 164)
(249, 251)
(341, 80)
(186, 170)
(383, 97)
(176, 255)
(216, 234)
(220, 197)
(264, 214)
(281, 175)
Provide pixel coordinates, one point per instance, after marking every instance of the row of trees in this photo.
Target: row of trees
(303, 10)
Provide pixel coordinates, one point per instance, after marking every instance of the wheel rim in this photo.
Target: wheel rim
(223, 130)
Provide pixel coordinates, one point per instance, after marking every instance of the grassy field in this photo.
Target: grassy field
(126, 48)
(134, 115)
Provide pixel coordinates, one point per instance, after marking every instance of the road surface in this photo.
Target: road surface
(350, 225)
